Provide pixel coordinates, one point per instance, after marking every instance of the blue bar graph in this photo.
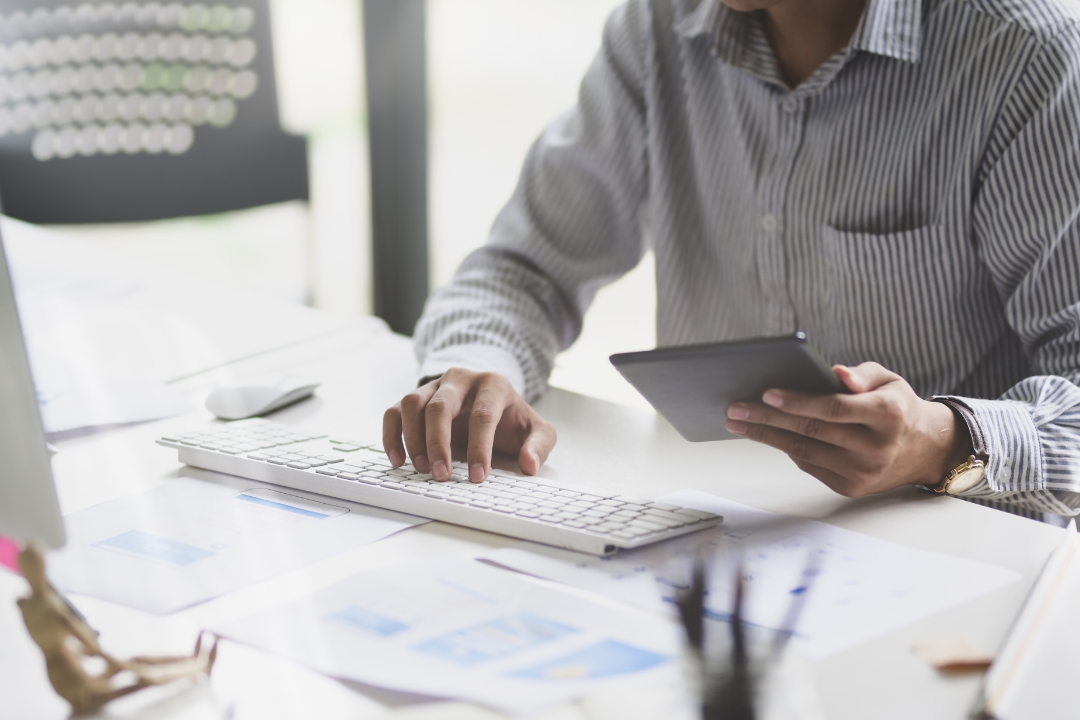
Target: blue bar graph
(282, 506)
(158, 548)
(604, 659)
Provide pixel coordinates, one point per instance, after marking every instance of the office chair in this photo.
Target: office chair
(124, 111)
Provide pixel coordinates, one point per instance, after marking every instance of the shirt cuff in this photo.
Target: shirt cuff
(478, 358)
(1011, 442)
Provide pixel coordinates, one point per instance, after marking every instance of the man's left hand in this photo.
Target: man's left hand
(879, 437)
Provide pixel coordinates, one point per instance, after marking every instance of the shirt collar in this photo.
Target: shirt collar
(892, 28)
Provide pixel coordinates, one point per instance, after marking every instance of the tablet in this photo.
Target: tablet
(692, 385)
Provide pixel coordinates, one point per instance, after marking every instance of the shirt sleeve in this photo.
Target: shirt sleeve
(570, 228)
(1025, 223)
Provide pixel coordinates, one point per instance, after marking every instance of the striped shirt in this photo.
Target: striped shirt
(914, 202)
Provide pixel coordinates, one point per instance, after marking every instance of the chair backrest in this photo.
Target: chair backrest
(124, 111)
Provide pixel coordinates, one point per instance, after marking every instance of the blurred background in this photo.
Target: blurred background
(497, 72)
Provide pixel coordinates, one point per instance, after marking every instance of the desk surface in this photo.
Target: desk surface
(600, 444)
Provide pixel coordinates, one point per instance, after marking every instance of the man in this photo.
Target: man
(899, 179)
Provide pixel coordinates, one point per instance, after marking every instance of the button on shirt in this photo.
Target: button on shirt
(914, 202)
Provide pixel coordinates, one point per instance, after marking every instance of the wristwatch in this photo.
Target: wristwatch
(963, 477)
(972, 470)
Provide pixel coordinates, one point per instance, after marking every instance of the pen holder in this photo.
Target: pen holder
(71, 647)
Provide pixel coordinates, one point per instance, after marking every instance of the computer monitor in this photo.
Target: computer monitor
(29, 507)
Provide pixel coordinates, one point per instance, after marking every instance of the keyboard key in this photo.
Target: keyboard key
(624, 514)
(299, 465)
(481, 503)
(316, 462)
(459, 499)
(646, 525)
(567, 493)
(365, 480)
(662, 521)
(664, 506)
(632, 499)
(696, 514)
(667, 515)
(326, 471)
(610, 503)
(278, 461)
(548, 504)
(590, 498)
(624, 534)
(527, 513)
(415, 490)
(258, 456)
(576, 524)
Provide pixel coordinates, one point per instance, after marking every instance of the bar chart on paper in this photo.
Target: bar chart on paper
(466, 630)
(194, 538)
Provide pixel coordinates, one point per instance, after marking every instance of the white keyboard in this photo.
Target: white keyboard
(565, 515)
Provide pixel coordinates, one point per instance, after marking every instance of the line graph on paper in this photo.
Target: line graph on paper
(862, 587)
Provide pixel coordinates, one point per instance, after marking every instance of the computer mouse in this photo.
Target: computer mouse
(236, 402)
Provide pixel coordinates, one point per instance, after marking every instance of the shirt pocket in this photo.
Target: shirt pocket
(907, 300)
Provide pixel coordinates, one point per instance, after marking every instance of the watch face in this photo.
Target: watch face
(966, 480)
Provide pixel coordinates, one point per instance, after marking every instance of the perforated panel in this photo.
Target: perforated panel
(134, 111)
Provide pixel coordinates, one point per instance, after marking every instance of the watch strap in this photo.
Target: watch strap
(978, 438)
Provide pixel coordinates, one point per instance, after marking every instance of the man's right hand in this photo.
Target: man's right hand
(480, 409)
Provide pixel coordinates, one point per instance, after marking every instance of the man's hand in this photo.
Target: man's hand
(878, 438)
(480, 409)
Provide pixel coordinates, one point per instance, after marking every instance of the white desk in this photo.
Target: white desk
(599, 444)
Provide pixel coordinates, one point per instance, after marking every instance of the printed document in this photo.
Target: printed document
(195, 538)
(855, 587)
(465, 630)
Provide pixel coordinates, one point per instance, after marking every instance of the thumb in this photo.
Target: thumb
(537, 446)
(865, 377)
